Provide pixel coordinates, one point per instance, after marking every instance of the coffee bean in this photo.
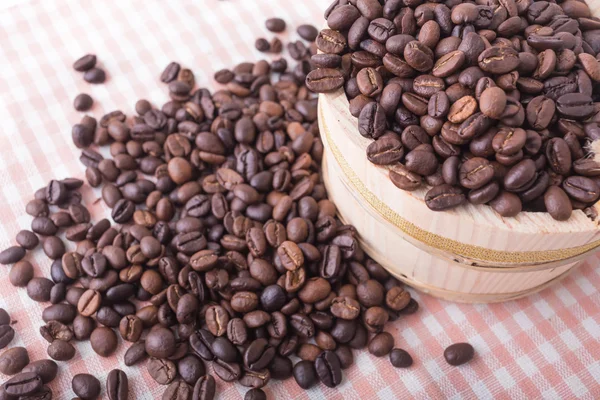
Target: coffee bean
(328, 369)
(324, 80)
(581, 189)
(255, 394)
(23, 384)
(94, 75)
(498, 60)
(459, 353)
(38, 289)
(258, 355)
(45, 369)
(204, 389)
(444, 197)
(54, 330)
(83, 102)
(103, 341)
(492, 102)
(27, 239)
(160, 343)
(307, 32)
(381, 344)
(161, 370)
(228, 372)
(85, 63)
(13, 360)
(521, 176)
(558, 155)
(61, 351)
(507, 204)
(86, 386)
(305, 374)
(178, 390)
(12, 255)
(275, 25)
(400, 358)
(117, 385)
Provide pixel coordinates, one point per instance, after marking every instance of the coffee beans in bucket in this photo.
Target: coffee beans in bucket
(486, 103)
(225, 239)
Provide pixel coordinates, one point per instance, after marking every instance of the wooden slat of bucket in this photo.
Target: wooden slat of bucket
(424, 270)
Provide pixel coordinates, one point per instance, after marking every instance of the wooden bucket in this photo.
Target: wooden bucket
(468, 254)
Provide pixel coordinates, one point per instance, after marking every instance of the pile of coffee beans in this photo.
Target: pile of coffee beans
(490, 102)
(224, 246)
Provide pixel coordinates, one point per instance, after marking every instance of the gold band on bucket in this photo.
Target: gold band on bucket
(439, 242)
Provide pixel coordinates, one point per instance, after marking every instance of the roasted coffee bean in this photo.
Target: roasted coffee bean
(13, 360)
(324, 80)
(23, 384)
(103, 341)
(85, 63)
(385, 150)
(459, 353)
(27, 239)
(83, 102)
(275, 25)
(135, 354)
(12, 255)
(161, 370)
(94, 75)
(117, 385)
(55, 330)
(581, 188)
(45, 369)
(258, 355)
(38, 289)
(381, 344)
(558, 155)
(204, 389)
(507, 204)
(228, 372)
(444, 197)
(305, 374)
(328, 369)
(60, 350)
(400, 358)
(86, 386)
(160, 343)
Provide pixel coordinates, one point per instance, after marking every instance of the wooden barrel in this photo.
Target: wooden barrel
(467, 254)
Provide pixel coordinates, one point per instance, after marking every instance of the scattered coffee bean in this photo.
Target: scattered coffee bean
(400, 358)
(83, 102)
(13, 360)
(27, 239)
(276, 25)
(85, 63)
(21, 273)
(459, 353)
(45, 369)
(23, 384)
(117, 385)
(12, 255)
(94, 75)
(60, 350)
(262, 45)
(86, 386)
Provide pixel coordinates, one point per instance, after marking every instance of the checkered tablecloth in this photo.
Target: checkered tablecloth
(544, 346)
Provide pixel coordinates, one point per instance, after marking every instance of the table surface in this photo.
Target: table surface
(543, 346)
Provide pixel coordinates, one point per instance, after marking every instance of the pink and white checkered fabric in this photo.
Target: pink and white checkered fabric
(545, 346)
